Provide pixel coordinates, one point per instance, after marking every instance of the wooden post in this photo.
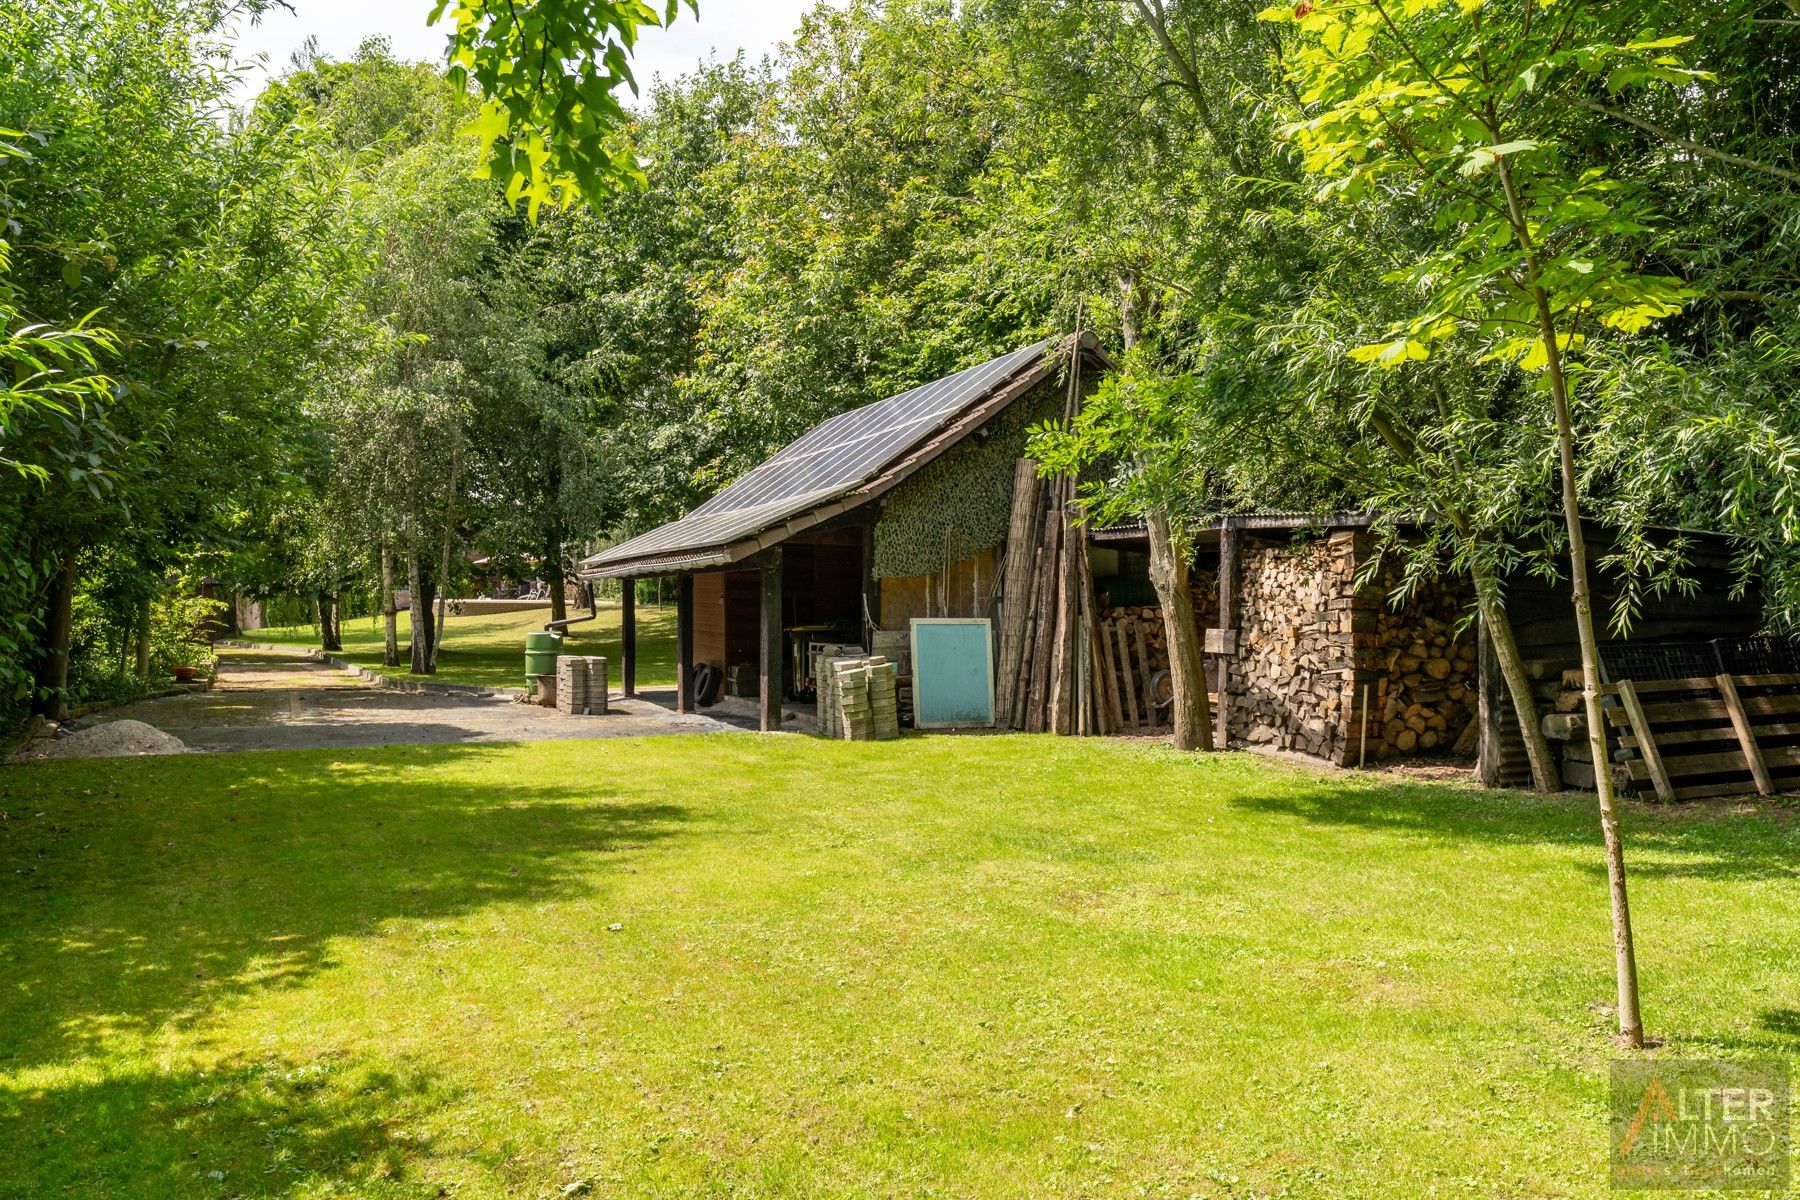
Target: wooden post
(1228, 621)
(770, 645)
(1015, 587)
(684, 643)
(1740, 721)
(1640, 725)
(871, 588)
(628, 636)
(1129, 677)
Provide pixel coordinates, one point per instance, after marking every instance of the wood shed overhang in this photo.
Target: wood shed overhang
(1134, 531)
(839, 466)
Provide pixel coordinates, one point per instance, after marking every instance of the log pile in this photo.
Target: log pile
(1205, 585)
(1319, 661)
(1420, 673)
(1296, 652)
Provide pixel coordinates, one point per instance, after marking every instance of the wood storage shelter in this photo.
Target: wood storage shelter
(887, 512)
(1317, 661)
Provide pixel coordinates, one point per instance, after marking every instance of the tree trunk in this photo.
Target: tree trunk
(1192, 714)
(555, 577)
(1512, 670)
(143, 640)
(1506, 647)
(419, 637)
(1631, 1024)
(328, 636)
(53, 663)
(390, 619)
(443, 589)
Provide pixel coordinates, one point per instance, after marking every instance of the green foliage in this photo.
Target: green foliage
(547, 70)
(960, 503)
(1469, 105)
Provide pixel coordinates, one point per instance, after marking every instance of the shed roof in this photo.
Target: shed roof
(839, 464)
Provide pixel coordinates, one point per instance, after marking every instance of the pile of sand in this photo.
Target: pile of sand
(113, 739)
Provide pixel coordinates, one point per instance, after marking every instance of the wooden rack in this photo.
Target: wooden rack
(1719, 735)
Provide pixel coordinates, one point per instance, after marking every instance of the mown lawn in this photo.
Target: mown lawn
(757, 967)
(489, 651)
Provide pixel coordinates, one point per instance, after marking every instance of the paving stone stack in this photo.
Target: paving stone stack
(831, 713)
(580, 685)
(884, 699)
(598, 685)
(858, 698)
(856, 722)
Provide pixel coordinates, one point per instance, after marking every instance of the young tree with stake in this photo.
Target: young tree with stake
(1470, 107)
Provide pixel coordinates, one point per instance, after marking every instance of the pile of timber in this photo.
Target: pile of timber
(1723, 735)
(1205, 586)
(1134, 692)
(1327, 668)
(1048, 676)
(1296, 651)
(1423, 697)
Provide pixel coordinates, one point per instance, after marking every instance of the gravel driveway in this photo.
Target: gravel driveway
(282, 700)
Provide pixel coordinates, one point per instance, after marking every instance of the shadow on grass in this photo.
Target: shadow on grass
(154, 891)
(1701, 840)
(269, 1129)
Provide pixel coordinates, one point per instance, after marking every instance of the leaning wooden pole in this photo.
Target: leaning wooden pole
(1015, 594)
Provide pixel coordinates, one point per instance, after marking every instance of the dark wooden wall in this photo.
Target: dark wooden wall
(725, 611)
(821, 580)
(1543, 616)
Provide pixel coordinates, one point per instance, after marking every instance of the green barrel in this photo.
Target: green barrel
(541, 649)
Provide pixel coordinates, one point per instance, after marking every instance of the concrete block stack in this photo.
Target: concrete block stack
(580, 685)
(858, 698)
(598, 685)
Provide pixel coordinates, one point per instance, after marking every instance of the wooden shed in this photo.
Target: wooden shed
(891, 511)
(1316, 660)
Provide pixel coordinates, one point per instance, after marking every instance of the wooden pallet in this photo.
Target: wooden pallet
(1721, 735)
(1125, 670)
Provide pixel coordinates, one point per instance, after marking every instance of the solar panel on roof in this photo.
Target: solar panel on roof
(827, 461)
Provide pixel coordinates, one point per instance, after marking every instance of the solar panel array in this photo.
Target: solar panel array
(828, 461)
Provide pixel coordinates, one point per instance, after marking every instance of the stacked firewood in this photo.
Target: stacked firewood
(1323, 663)
(1295, 648)
(1423, 694)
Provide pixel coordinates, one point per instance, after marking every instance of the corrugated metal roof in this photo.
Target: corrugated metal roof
(829, 461)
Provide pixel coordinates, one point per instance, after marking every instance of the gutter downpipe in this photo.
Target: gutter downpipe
(593, 613)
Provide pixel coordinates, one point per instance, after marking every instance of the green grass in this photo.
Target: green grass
(991, 967)
(489, 651)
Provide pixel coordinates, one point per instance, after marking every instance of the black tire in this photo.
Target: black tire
(706, 685)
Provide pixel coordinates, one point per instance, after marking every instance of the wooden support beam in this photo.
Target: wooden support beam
(628, 636)
(1128, 678)
(1228, 623)
(1137, 628)
(1740, 721)
(684, 643)
(770, 646)
(871, 588)
(1640, 725)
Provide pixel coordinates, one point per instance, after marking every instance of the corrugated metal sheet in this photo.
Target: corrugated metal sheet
(829, 461)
